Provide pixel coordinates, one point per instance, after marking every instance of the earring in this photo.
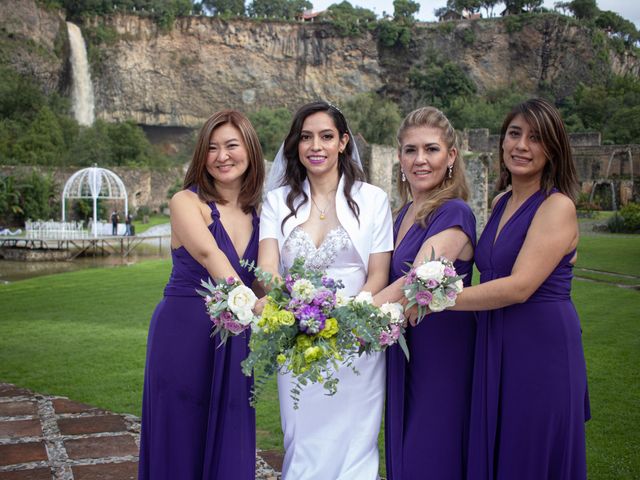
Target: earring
(404, 179)
(449, 171)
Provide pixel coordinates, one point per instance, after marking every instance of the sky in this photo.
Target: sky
(629, 9)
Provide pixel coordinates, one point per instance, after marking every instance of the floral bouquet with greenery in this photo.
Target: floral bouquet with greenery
(309, 329)
(297, 331)
(434, 285)
(229, 304)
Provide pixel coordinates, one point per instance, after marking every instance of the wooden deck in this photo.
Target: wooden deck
(102, 245)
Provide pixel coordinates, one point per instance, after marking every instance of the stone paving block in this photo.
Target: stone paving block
(8, 390)
(98, 447)
(107, 471)
(22, 453)
(274, 458)
(63, 405)
(33, 474)
(83, 425)
(20, 428)
(13, 409)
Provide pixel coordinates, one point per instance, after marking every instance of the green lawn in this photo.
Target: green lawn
(153, 221)
(82, 335)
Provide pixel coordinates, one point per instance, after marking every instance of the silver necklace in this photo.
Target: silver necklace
(322, 210)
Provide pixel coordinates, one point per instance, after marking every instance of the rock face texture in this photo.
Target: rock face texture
(178, 77)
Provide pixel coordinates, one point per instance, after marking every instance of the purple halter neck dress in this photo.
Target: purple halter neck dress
(197, 423)
(529, 400)
(428, 398)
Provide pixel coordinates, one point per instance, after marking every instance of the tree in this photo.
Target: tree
(397, 32)
(489, 5)
(351, 21)
(284, 9)
(373, 117)
(404, 11)
(438, 82)
(272, 126)
(584, 9)
(225, 7)
(43, 142)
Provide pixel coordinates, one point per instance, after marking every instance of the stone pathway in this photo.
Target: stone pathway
(49, 437)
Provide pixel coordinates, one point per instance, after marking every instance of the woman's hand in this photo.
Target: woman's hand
(259, 306)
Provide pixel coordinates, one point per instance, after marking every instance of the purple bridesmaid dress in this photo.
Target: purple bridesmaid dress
(529, 401)
(428, 398)
(197, 423)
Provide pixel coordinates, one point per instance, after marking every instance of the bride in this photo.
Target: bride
(318, 206)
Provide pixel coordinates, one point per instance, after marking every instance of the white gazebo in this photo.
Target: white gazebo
(95, 182)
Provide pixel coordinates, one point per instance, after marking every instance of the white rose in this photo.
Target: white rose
(241, 300)
(245, 317)
(341, 299)
(458, 286)
(395, 310)
(440, 301)
(431, 270)
(303, 289)
(363, 297)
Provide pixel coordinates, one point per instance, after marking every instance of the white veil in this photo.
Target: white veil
(275, 178)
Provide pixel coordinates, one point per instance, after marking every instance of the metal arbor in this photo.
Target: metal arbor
(95, 182)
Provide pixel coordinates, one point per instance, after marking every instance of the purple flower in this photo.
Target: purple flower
(452, 294)
(328, 282)
(411, 277)
(234, 327)
(324, 299)
(311, 319)
(230, 280)
(288, 282)
(449, 272)
(423, 297)
(385, 338)
(432, 283)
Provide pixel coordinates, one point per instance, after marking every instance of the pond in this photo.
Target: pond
(13, 270)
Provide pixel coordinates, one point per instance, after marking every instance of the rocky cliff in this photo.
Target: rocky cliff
(178, 77)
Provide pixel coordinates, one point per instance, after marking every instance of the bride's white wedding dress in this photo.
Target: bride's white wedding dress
(333, 437)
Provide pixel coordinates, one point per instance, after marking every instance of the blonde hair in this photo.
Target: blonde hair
(449, 188)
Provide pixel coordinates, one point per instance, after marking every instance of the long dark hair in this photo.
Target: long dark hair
(296, 173)
(560, 169)
(197, 174)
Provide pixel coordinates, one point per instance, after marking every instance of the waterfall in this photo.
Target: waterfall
(81, 88)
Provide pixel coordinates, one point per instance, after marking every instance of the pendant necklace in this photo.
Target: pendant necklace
(322, 210)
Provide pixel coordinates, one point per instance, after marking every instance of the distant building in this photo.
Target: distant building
(309, 16)
(450, 15)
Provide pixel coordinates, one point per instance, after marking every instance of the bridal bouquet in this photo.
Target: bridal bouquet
(229, 304)
(434, 284)
(298, 332)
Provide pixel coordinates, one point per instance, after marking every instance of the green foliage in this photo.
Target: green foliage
(42, 143)
(437, 82)
(373, 117)
(351, 21)
(486, 111)
(612, 108)
(397, 32)
(272, 125)
(28, 196)
(225, 7)
(281, 9)
(630, 214)
(584, 9)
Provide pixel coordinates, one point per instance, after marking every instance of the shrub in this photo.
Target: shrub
(630, 214)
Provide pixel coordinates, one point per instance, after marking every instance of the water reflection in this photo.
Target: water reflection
(12, 270)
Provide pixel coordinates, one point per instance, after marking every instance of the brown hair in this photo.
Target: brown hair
(454, 187)
(545, 120)
(296, 172)
(197, 174)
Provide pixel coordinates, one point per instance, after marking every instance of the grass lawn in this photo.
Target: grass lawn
(82, 335)
(153, 221)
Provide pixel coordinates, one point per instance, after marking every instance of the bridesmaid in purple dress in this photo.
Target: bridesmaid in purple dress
(196, 420)
(529, 401)
(428, 398)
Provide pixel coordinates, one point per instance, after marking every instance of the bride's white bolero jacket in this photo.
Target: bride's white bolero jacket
(374, 233)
